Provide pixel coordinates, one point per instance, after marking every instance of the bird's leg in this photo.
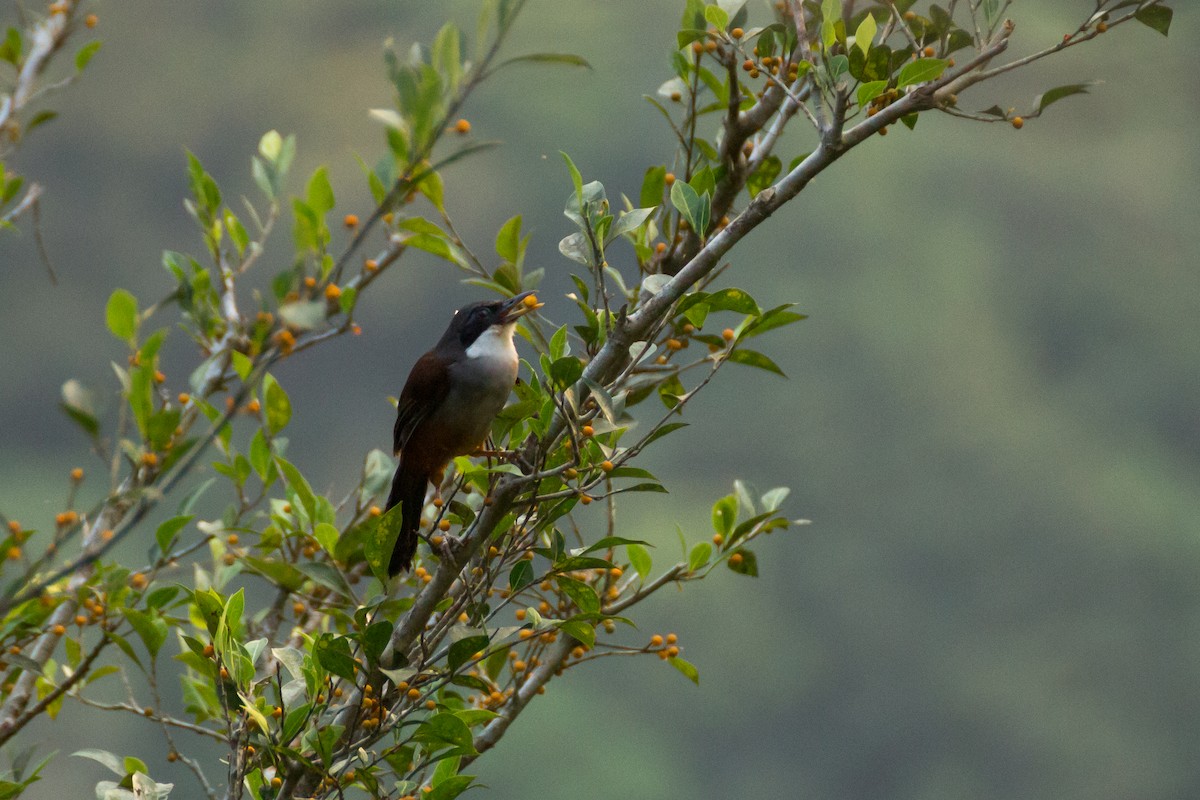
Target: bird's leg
(511, 456)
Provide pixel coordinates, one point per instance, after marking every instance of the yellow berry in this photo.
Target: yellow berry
(462, 127)
(1018, 122)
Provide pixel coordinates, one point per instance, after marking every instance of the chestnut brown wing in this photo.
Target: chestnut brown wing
(426, 388)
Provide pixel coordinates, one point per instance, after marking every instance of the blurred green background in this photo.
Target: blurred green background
(993, 417)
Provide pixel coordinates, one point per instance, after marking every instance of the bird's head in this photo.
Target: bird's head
(497, 318)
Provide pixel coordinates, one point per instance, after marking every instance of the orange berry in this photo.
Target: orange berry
(606, 466)
(14, 553)
(910, 15)
(928, 52)
(656, 640)
(375, 511)
(444, 525)
(736, 559)
(672, 651)
(669, 178)
(370, 265)
(138, 581)
(462, 127)
(531, 301)
(208, 651)
(414, 693)
(232, 539)
(14, 527)
(674, 344)
(697, 48)
(718, 539)
(297, 608)
(91, 20)
(526, 634)
(737, 33)
(587, 430)
(676, 97)
(159, 376)
(276, 782)
(58, 630)
(253, 407)
(77, 474)
(586, 499)
(1101, 26)
(150, 459)
(521, 614)
(183, 398)
(332, 292)
(728, 334)
(310, 281)
(570, 473)
(350, 220)
(107, 534)
(356, 329)
(228, 559)
(672, 638)
(661, 247)
(660, 360)
(1018, 122)
(883, 131)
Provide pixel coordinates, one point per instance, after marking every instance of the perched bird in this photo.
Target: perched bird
(448, 403)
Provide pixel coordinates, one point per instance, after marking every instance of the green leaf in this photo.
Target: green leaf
(277, 404)
(121, 314)
(445, 729)
(869, 91)
(465, 649)
(865, 34)
(333, 654)
(380, 541)
(582, 595)
(151, 628)
(687, 668)
(576, 178)
(1156, 17)
(748, 565)
(920, 71)
(580, 629)
(168, 530)
(653, 185)
(732, 300)
(566, 371)
(450, 788)
(1058, 93)
(110, 760)
(699, 555)
(299, 485)
(87, 51)
(520, 576)
(241, 364)
(724, 514)
(716, 16)
(663, 430)
(639, 559)
(694, 207)
(752, 358)
(508, 240)
(570, 59)
(319, 193)
(326, 536)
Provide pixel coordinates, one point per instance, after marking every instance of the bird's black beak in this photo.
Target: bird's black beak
(516, 307)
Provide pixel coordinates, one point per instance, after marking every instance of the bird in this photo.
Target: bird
(446, 409)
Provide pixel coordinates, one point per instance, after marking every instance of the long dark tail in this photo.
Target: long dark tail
(408, 488)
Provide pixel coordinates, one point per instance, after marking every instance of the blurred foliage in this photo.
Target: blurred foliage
(995, 442)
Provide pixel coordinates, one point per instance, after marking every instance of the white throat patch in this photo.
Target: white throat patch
(495, 343)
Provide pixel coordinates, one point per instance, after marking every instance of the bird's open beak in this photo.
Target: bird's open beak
(519, 306)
